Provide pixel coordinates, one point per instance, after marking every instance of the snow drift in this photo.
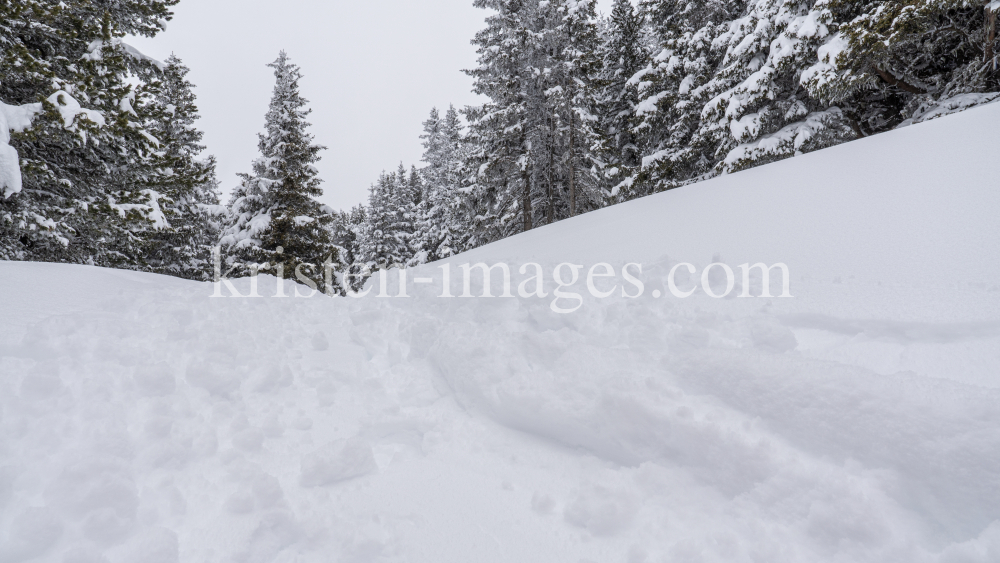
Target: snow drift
(142, 420)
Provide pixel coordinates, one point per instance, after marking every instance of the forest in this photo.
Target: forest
(101, 160)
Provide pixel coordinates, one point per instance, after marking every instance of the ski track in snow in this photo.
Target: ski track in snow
(141, 420)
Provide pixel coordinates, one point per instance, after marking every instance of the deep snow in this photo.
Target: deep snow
(141, 420)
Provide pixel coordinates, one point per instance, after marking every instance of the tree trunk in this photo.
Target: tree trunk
(526, 198)
(550, 212)
(572, 167)
(991, 37)
(856, 127)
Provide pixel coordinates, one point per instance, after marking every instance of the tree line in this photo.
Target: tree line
(583, 111)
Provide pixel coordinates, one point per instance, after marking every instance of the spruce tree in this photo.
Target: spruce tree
(761, 113)
(384, 240)
(274, 219)
(354, 227)
(673, 90)
(724, 92)
(500, 195)
(623, 52)
(415, 206)
(531, 145)
(346, 228)
(343, 235)
(186, 185)
(893, 60)
(85, 155)
(572, 52)
(438, 232)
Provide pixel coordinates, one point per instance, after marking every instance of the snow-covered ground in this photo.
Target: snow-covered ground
(859, 421)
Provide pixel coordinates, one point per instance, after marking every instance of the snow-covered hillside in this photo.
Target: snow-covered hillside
(859, 421)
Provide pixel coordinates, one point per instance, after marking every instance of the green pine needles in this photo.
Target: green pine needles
(274, 219)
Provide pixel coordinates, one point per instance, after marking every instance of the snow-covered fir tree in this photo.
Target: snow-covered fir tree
(413, 206)
(439, 229)
(893, 60)
(186, 186)
(673, 90)
(623, 52)
(346, 229)
(500, 195)
(724, 92)
(82, 153)
(760, 105)
(384, 240)
(562, 126)
(343, 233)
(274, 219)
(532, 143)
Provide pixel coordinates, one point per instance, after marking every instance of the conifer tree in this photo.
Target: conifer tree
(274, 218)
(384, 240)
(724, 93)
(532, 143)
(892, 60)
(346, 228)
(500, 195)
(342, 235)
(186, 185)
(674, 89)
(573, 49)
(416, 207)
(82, 149)
(623, 52)
(354, 226)
(438, 231)
(761, 113)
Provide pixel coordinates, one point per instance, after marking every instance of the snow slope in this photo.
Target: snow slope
(141, 420)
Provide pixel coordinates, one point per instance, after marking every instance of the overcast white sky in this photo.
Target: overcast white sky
(372, 72)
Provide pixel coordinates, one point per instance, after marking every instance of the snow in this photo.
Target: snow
(811, 25)
(151, 210)
(825, 70)
(746, 126)
(155, 211)
(792, 136)
(140, 56)
(13, 118)
(648, 105)
(685, 86)
(142, 420)
(10, 166)
(70, 109)
(94, 51)
(954, 104)
(18, 118)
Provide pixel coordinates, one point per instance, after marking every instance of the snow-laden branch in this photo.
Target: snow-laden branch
(952, 105)
(69, 109)
(151, 210)
(786, 142)
(13, 118)
(19, 118)
(95, 47)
